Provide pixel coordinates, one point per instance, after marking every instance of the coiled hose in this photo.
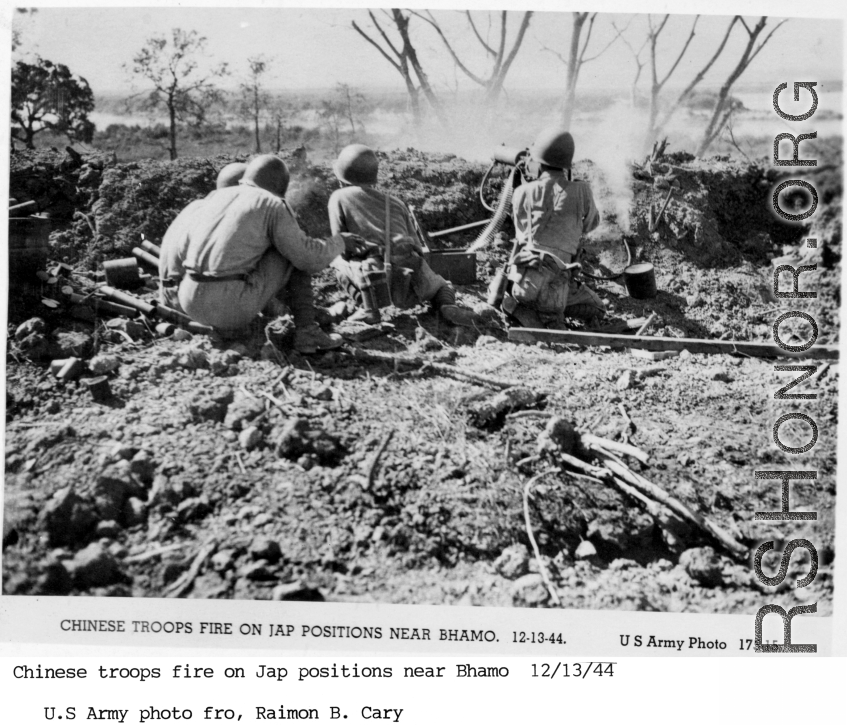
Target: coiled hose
(504, 208)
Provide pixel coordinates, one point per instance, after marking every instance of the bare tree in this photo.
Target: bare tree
(403, 57)
(346, 108)
(501, 59)
(659, 112)
(575, 59)
(723, 104)
(170, 65)
(254, 99)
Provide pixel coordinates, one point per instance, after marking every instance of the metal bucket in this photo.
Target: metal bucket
(640, 280)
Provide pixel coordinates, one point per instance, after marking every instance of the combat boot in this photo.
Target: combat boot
(311, 339)
(456, 315)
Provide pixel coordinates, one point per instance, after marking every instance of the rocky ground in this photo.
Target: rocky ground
(242, 469)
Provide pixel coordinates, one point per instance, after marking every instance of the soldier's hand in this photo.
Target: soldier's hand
(356, 246)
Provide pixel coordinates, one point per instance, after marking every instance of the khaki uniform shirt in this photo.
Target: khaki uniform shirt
(175, 243)
(361, 210)
(560, 211)
(229, 231)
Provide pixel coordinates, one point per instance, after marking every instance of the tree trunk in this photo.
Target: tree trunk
(256, 119)
(172, 130)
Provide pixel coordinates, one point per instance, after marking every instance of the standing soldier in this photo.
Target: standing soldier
(551, 214)
(360, 211)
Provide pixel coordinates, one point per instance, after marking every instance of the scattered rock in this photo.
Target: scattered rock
(243, 409)
(424, 342)
(513, 562)
(192, 358)
(492, 411)
(585, 550)
(249, 438)
(211, 405)
(625, 381)
(67, 518)
(54, 580)
(703, 565)
(35, 346)
(113, 487)
(180, 335)
(143, 467)
(264, 548)
(298, 438)
(485, 340)
(296, 592)
(94, 566)
(103, 363)
(135, 511)
(720, 374)
(209, 586)
(134, 329)
(108, 529)
(529, 591)
(34, 325)
(558, 435)
(256, 571)
(223, 560)
(193, 508)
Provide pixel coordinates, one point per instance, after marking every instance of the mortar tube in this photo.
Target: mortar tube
(128, 300)
(146, 258)
(153, 249)
(101, 305)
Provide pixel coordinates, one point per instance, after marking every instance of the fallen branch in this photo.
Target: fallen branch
(377, 455)
(593, 442)
(616, 466)
(541, 568)
(646, 324)
(442, 368)
(182, 585)
(147, 555)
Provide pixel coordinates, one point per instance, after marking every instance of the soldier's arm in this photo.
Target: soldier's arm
(337, 222)
(304, 252)
(591, 220)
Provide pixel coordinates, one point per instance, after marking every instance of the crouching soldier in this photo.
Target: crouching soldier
(360, 211)
(240, 246)
(172, 258)
(551, 214)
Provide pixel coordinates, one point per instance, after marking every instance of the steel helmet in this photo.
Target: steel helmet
(230, 175)
(356, 164)
(554, 147)
(268, 172)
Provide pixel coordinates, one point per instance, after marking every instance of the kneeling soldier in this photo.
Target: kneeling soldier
(360, 211)
(551, 214)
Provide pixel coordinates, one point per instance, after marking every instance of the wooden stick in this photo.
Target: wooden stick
(541, 568)
(443, 368)
(375, 460)
(593, 471)
(650, 489)
(646, 324)
(592, 442)
(721, 347)
(182, 585)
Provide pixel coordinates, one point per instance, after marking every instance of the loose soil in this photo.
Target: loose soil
(326, 477)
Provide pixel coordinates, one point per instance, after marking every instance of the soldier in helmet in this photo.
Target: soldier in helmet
(239, 247)
(360, 211)
(551, 214)
(171, 269)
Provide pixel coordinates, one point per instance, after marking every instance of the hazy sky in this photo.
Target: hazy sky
(319, 48)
